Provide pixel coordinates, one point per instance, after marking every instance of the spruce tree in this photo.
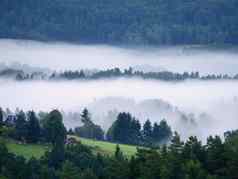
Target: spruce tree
(33, 128)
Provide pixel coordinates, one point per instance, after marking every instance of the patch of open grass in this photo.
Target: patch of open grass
(107, 147)
(38, 150)
(26, 150)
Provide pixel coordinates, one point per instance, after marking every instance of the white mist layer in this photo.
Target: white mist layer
(62, 56)
(213, 103)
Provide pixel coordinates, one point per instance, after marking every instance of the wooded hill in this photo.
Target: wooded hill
(136, 22)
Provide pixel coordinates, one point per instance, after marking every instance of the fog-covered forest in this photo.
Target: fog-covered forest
(183, 85)
(129, 89)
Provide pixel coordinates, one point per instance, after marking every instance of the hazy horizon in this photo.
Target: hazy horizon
(66, 56)
(217, 99)
(211, 104)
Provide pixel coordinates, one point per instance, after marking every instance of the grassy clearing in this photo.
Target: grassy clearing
(38, 150)
(107, 147)
(26, 150)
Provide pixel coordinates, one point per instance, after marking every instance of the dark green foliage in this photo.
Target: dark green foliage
(56, 134)
(161, 132)
(147, 133)
(1, 117)
(33, 128)
(189, 160)
(57, 155)
(21, 126)
(193, 150)
(125, 129)
(69, 171)
(54, 128)
(89, 129)
(88, 174)
(215, 158)
(124, 22)
(82, 157)
(231, 153)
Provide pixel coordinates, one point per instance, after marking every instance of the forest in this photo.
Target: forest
(21, 75)
(70, 159)
(133, 22)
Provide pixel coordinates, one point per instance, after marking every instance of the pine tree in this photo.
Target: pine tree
(21, 126)
(1, 116)
(33, 128)
(147, 133)
(54, 128)
(85, 117)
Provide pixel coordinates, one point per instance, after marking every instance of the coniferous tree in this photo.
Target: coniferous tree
(69, 171)
(125, 129)
(33, 128)
(176, 168)
(89, 129)
(147, 132)
(85, 117)
(21, 126)
(161, 133)
(54, 128)
(56, 134)
(215, 160)
(1, 117)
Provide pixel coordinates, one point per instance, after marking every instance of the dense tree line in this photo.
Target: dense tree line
(127, 129)
(28, 128)
(121, 22)
(179, 160)
(46, 127)
(112, 73)
(217, 159)
(130, 72)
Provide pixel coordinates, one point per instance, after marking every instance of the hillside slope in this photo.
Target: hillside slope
(122, 22)
(37, 150)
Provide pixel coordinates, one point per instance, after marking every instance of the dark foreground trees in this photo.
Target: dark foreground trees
(179, 160)
(33, 128)
(217, 159)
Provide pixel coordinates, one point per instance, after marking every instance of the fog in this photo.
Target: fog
(199, 108)
(62, 56)
(192, 108)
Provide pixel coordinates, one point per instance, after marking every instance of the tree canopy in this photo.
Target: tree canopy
(122, 22)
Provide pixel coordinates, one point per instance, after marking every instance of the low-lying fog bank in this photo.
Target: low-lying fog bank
(63, 56)
(192, 107)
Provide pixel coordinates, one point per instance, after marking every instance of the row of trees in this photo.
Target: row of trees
(27, 127)
(113, 73)
(31, 128)
(216, 159)
(179, 160)
(130, 72)
(125, 22)
(127, 129)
